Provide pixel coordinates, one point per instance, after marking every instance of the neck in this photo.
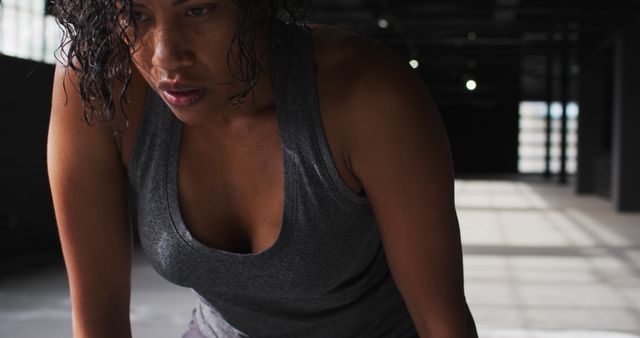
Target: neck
(262, 95)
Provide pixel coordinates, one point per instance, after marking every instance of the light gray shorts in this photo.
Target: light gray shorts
(207, 322)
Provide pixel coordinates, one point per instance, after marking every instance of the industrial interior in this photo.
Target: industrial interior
(541, 103)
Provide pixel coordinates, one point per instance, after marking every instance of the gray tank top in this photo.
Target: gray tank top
(325, 276)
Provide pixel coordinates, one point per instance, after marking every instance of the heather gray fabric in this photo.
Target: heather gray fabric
(325, 276)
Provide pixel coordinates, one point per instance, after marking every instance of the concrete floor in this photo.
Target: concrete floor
(548, 263)
(540, 262)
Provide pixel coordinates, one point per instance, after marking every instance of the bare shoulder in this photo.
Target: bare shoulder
(363, 83)
(364, 88)
(361, 72)
(341, 50)
(68, 108)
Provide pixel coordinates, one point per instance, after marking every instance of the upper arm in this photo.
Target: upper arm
(398, 149)
(88, 186)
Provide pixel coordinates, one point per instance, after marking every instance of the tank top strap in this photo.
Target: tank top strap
(302, 126)
(291, 83)
(151, 140)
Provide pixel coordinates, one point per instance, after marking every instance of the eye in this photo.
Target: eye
(198, 11)
(139, 16)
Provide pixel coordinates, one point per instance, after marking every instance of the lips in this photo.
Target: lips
(180, 95)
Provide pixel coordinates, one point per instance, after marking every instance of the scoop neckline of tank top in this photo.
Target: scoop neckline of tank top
(288, 212)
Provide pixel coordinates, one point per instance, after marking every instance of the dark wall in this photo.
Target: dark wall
(482, 125)
(484, 139)
(595, 121)
(26, 214)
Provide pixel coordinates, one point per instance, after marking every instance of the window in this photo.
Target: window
(532, 137)
(26, 32)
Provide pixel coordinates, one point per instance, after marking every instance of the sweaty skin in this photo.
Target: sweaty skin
(384, 133)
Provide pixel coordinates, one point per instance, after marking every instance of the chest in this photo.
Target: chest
(231, 194)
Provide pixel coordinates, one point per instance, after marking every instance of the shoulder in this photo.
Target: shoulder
(68, 108)
(368, 86)
(357, 59)
(363, 73)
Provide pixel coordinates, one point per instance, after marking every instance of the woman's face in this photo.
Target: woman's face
(182, 53)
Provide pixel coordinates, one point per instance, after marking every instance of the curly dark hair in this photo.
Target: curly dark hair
(97, 42)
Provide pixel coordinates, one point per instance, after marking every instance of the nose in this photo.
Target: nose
(171, 52)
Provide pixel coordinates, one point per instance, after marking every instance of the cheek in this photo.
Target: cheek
(142, 53)
(211, 53)
(142, 60)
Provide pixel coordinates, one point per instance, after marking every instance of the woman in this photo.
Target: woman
(297, 178)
